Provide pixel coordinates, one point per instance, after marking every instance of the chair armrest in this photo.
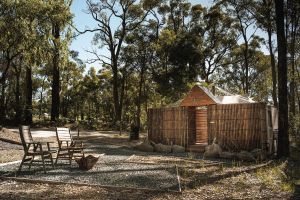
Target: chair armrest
(39, 142)
(67, 142)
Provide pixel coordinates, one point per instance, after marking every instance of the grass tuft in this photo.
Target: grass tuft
(275, 177)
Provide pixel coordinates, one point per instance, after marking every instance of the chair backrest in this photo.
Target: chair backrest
(25, 135)
(63, 134)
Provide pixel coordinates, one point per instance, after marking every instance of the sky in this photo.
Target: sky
(83, 21)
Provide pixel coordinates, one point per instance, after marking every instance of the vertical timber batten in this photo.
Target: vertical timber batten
(238, 126)
(171, 125)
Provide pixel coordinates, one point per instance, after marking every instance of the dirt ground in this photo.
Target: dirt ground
(200, 179)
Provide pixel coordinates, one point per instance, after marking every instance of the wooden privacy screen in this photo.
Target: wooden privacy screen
(172, 125)
(238, 126)
(201, 125)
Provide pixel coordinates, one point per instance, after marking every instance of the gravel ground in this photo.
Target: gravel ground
(8, 146)
(113, 168)
(123, 166)
(109, 171)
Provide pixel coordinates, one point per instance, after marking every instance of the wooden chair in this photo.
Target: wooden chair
(68, 148)
(33, 149)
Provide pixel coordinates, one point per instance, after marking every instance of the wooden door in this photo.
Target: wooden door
(201, 125)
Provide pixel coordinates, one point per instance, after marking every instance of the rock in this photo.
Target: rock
(145, 146)
(245, 156)
(178, 149)
(162, 148)
(259, 154)
(212, 151)
(228, 155)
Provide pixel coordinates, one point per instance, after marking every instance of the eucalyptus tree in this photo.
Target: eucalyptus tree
(115, 18)
(283, 125)
(59, 16)
(17, 41)
(216, 36)
(71, 77)
(245, 25)
(264, 13)
(138, 55)
(175, 14)
(292, 29)
(10, 45)
(230, 77)
(35, 18)
(169, 74)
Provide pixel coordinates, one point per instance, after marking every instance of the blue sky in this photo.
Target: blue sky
(82, 20)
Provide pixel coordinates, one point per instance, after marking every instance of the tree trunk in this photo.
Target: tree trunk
(41, 105)
(28, 111)
(3, 106)
(122, 93)
(55, 74)
(17, 97)
(293, 72)
(2, 103)
(115, 92)
(41, 98)
(273, 68)
(141, 83)
(283, 126)
(246, 52)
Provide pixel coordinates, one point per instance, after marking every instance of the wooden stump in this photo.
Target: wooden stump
(87, 163)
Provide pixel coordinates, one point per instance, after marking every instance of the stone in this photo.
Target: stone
(212, 151)
(162, 148)
(245, 156)
(259, 154)
(178, 149)
(228, 155)
(145, 146)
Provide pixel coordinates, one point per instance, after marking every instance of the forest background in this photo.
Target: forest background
(144, 54)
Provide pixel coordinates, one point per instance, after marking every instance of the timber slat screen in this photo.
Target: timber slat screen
(172, 125)
(201, 125)
(238, 126)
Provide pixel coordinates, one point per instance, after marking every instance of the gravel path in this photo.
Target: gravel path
(110, 170)
(113, 168)
(8, 146)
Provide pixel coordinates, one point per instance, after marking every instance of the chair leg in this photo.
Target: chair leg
(70, 156)
(57, 155)
(51, 160)
(31, 162)
(20, 167)
(43, 160)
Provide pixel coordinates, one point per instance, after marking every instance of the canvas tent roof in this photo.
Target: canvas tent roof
(201, 96)
(234, 99)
